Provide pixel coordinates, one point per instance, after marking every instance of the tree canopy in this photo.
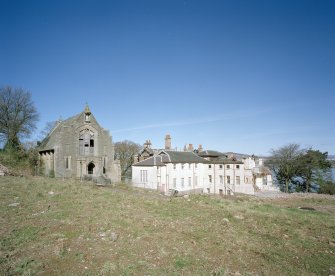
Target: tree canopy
(18, 116)
(299, 169)
(313, 167)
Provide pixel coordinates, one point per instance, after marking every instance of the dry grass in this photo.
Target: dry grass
(81, 229)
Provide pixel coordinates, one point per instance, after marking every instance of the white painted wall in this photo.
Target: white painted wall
(151, 180)
(191, 176)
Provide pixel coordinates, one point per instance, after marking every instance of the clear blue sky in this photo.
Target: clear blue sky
(243, 76)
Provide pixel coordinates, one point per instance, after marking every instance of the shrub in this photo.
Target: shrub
(327, 188)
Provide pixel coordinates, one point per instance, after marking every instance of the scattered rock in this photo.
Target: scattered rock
(332, 243)
(102, 234)
(15, 204)
(60, 247)
(109, 235)
(4, 171)
(113, 237)
(40, 213)
(186, 196)
(51, 193)
(226, 220)
(239, 217)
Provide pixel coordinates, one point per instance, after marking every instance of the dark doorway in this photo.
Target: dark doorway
(90, 168)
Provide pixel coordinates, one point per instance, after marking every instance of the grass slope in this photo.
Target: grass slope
(55, 227)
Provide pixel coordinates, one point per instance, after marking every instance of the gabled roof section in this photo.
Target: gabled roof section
(182, 157)
(148, 150)
(261, 170)
(152, 161)
(49, 142)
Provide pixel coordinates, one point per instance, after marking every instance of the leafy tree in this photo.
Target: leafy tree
(313, 167)
(299, 170)
(18, 116)
(283, 162)
(125, 151)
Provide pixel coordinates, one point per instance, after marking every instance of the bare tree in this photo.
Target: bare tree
(125, 151)
(18, 116)
(49, 126)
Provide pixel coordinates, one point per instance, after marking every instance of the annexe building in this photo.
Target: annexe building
(79, 147)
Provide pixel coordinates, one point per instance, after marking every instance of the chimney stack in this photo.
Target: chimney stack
(200, 149)
(167, 142)
(190, 147)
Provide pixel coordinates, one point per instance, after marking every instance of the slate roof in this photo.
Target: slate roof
(226, 161)
(169, 156)
(45, 145)
(211, 153)
(152, 161)
(183, 157)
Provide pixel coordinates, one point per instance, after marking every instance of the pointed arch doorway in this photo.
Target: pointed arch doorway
(90, 168)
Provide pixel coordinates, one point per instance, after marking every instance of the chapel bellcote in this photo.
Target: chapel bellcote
(87, 114)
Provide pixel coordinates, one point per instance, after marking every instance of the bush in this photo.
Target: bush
(52, 174)
(20, 161)
(327, 188)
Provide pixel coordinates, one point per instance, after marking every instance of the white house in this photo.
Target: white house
(199, 171)
(188, 172)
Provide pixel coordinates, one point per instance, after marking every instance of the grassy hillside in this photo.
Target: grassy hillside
(56, 227)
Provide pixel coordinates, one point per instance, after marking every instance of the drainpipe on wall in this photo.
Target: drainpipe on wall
(214, 178)
(224, 179)
(193, 176)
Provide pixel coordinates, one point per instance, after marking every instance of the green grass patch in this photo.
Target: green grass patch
(75, 228)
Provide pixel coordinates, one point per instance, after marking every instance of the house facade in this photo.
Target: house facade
(194, 171)
(79, 147)
(188, 172)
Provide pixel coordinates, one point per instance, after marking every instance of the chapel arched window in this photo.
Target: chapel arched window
(86, 142)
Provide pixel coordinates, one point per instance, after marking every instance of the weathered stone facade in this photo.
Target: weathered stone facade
(79, 147)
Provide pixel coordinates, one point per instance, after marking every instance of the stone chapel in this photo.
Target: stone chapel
(80, 148)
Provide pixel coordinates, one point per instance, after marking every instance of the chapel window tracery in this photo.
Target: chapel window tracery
(86, 142)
